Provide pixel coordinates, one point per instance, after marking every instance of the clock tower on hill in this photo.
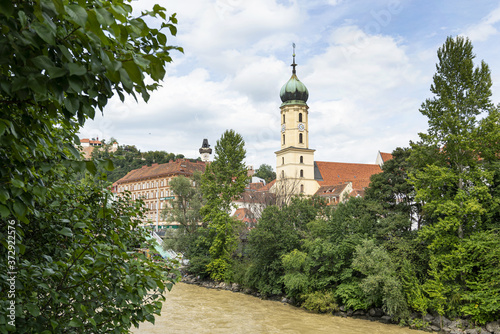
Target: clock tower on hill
(295, 160)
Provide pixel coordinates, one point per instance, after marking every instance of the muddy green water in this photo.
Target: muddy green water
(193, 309)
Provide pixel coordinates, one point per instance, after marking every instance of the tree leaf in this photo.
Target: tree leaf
(56, 72)
(77, 13)
(42, 62)
(75, 323)
(45, 33)
(66, 231)
(33, 309)
(76, 69)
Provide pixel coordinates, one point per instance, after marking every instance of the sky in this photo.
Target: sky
(367, 64)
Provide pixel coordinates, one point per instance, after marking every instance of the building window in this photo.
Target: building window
(300, 138)
(301, 173)
(282, 160)
(301, 159)
(300, 117)
(283, 139)
(282, 174)
(283, 118)
(301, 188)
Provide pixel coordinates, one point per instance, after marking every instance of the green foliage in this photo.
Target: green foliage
(351, 295)
(274, 236)
(397, 196)
(455, 168)
(266, 172)
(452, 181)
(224, 179)
(296, 280)
(96, 281)
(480, 268)
(321, 302)
(188, 202)
(416, 296)
(381, 284)
(75, 248)
(195, 246)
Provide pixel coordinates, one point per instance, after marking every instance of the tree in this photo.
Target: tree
(223, 181)
(266, 172)
(74, 248)
(393, 190)
(455, 166)
(453, 183)
(188, 202)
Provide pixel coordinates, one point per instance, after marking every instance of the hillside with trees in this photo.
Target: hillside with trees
(128, 157)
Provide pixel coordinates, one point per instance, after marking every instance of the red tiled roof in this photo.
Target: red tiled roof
(340, 172)
(86, 140)
(329, 190)
(256, 186)
(177, 167)
(268, 186)
(244, 215)
(385, 156)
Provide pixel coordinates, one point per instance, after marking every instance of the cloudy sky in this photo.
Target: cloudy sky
(368, 66)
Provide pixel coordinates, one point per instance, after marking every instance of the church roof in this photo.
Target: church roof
(331, 190)
(385, 156)
(331, 173)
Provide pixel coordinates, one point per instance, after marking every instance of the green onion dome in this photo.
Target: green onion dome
(294, 90)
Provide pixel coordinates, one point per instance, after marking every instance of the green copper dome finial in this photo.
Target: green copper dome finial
(294, 91)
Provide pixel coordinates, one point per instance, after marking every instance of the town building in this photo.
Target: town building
(87, 146)
(152, 185)
(297, 172)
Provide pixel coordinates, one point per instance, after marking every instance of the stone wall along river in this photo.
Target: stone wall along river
(194, 309)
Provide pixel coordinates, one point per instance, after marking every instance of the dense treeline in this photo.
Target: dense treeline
(424, 239)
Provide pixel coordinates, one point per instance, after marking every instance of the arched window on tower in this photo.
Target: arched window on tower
(283, 139)
(300, 117)
(300, 138)
(301, 173)
(282, 174)
(283, 118)
(282, 160)
(301, 159)
(301, 188)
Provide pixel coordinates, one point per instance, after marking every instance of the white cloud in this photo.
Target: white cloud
(485, 29)
(365, 89)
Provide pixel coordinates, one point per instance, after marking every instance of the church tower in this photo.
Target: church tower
(295, 160)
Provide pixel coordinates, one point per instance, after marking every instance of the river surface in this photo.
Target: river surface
(193, 309)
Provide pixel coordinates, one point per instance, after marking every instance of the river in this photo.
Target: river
(194, 309)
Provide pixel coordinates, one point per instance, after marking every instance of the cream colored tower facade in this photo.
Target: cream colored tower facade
(295, 160)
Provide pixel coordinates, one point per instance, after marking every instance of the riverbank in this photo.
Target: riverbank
(430, 323)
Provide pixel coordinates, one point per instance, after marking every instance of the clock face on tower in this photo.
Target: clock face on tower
(301, 127)
(283, 128)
